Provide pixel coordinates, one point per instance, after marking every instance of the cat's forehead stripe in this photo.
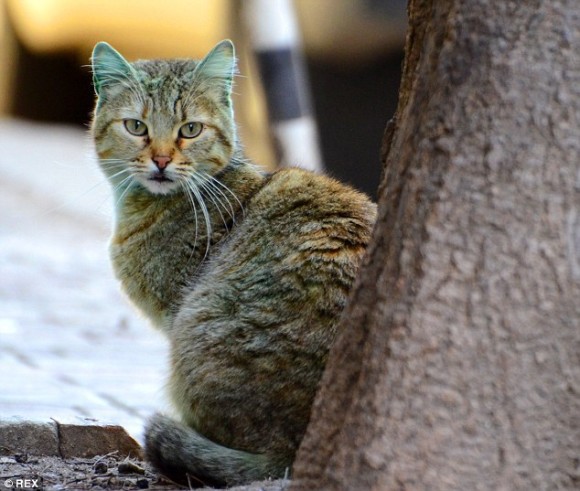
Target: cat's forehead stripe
(165, 82)
(158, 73)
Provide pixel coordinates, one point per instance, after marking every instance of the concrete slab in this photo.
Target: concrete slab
(82, 439)
(27, 437)
(70, 345)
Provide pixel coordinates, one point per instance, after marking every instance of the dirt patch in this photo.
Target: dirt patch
(23, 472)
(55, 473)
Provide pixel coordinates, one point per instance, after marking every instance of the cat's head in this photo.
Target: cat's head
(164, 124)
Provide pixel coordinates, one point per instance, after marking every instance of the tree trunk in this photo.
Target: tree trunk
(458, 366)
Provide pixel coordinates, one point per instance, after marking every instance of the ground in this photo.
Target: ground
(105, 472)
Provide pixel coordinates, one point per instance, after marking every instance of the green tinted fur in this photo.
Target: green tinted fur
(245, 272)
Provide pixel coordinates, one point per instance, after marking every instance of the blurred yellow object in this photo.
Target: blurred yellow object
(342, 30)
(149, 28)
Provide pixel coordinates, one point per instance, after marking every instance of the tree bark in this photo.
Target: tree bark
(457, 366)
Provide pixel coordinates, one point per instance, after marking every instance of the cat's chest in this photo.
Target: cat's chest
(154, 262)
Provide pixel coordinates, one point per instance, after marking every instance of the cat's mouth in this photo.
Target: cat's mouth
(159, 183)
(159, 177)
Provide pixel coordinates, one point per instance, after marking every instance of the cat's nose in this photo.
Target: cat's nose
(161, 161)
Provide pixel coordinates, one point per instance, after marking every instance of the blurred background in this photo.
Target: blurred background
(353, 52)
(60, 306)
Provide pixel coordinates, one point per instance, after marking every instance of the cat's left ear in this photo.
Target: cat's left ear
(217, 69)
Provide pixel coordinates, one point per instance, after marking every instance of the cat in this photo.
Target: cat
(245, 271)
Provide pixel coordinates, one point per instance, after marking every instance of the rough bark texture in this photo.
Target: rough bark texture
(458, 366)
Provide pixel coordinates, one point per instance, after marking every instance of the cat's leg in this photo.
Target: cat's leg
(185, 456)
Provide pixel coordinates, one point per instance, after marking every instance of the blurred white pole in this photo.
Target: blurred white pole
(275, 37)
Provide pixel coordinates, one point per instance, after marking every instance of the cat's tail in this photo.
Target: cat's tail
(185, 456)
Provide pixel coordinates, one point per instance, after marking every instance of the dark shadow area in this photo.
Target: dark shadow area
(353, 105)
(51, 87)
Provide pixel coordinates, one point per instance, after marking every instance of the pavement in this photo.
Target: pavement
(71, 347)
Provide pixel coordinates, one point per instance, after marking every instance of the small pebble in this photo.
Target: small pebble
(130, 468)
(142, 483)
(101, 468)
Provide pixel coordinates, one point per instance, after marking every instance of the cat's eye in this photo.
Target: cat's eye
(135, 127)
(190, 130)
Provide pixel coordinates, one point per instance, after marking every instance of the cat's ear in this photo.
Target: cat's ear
(217, 69)
(109, 68)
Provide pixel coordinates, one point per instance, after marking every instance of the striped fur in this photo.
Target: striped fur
(245, 272)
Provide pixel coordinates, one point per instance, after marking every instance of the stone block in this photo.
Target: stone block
(68, 440)
(89, 440)
(28, 437)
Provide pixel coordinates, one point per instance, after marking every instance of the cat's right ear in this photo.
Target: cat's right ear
(218, 68)
(109, 68)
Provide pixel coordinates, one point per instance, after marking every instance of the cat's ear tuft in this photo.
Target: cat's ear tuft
(219, 66)
(109, 67)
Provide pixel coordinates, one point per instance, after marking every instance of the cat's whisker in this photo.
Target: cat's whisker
(191, 199)
(213, 189)
(119, 173)
(205, 213)
(218, 208)
(217, 182)
(213, 198)
(127, 182)
(121, 183)
(117, 167)
(113, 177)
(218, 203)
(113, 161)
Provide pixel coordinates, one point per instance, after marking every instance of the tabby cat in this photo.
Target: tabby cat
(245, 271)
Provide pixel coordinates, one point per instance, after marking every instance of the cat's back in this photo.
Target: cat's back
(316, 228)
(299, 224)
(308, 197)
